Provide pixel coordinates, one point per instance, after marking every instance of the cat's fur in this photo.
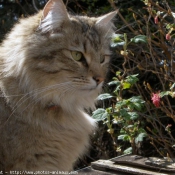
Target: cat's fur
(44, 91)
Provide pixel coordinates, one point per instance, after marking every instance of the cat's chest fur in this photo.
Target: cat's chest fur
(53, 144)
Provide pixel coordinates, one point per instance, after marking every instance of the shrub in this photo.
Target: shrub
(122, 117)
(147, 49)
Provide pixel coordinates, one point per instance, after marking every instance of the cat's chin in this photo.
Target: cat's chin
(84, 98)
(79, 99)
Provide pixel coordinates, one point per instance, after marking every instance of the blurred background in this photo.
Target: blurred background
(12, 10)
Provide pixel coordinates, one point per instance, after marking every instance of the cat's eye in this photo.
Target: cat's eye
(102, 59)
(77, 56)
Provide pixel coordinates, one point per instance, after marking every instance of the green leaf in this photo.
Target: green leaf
(128, 150)
(114, 83)
(133, 115)
(117, 89)
(117, 44)
(117, 121)
(126, 85)
(173, 86)
(139, 39)
(169, 26)
(137, 99)
(117, 40)
(104, 96)
(120, 104)
(138, 106)
(99, 114)
(124, 137)
(140, 137)
(164, 93)
(124, 114)
(136, 102)
(132, 79)
(117, 37)
(141, 130)
(118, 73)
(130, 126)
(122, 131)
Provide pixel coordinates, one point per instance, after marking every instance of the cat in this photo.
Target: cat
(52, 67)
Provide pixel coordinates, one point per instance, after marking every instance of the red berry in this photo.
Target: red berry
(156, 20)
(168, 36)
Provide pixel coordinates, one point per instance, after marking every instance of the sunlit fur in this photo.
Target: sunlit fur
(37, 72)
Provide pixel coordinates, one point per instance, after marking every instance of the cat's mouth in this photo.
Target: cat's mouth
(95, 87)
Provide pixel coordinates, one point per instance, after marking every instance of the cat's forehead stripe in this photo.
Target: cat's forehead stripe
(90, 33)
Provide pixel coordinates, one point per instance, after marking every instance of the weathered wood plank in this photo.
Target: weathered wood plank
(154, 163)
(91, 171)
(131, 164)
(107, 165)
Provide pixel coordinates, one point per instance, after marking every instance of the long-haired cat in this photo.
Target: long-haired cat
(52, 67)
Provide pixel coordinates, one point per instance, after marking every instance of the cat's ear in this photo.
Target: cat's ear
(54, 14)
(106, 20)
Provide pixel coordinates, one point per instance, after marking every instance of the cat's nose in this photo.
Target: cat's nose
(98, 80)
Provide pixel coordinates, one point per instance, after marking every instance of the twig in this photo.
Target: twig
(34, 5)
(126, 23)
(17, 1)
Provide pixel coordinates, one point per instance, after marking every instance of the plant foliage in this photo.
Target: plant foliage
(124, 113)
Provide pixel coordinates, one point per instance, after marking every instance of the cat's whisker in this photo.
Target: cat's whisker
(40, 90)
(39, 99)
(17, 106)
(35, 102)
(36, 90)
(46, 88)
(129, 24)
(65, 91)
(71, 92)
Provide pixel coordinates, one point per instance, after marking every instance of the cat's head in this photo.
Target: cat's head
(63, 61)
